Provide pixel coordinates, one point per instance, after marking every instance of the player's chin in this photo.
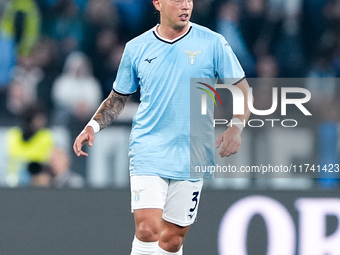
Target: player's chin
(181, 25)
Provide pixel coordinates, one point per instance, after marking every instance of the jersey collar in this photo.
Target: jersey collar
(159, 37)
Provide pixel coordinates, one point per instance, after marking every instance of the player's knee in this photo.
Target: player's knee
(176, 243)
(173, 243)
(147, 233)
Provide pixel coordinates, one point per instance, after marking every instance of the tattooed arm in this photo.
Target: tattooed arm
(110, 109)
(107, 112)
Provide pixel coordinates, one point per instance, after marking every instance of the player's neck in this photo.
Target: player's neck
(171, 33)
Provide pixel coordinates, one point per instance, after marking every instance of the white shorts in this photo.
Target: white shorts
(178, 199)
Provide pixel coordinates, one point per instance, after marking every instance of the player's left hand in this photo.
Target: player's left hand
(86, 136)
(230, 140)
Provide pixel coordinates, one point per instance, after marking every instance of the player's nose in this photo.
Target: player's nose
(186, 4)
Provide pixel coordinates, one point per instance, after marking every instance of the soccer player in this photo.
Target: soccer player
(161, 61)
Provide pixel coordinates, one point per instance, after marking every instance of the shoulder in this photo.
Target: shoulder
(44, 134)
(140, 40)
(207, 32)
(14, 133)
(14, 130)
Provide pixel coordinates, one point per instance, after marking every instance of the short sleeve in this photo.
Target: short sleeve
(126, 82)
(227, 66)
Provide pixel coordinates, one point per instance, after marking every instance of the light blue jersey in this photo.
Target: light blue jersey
(160, 136)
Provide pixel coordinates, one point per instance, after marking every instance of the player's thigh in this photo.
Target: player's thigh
(148, 195)
(182, 202)
(148, 192)
(171, 230)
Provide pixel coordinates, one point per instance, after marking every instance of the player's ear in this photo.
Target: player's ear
(157, 4)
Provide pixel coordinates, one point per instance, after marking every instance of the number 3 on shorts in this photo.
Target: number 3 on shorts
(194, 199)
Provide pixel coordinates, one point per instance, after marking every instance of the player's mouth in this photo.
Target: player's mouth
(184, 17)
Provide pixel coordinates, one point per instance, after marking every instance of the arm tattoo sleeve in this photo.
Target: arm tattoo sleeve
(110, 109)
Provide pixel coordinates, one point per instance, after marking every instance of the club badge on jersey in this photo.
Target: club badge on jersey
(192, 56)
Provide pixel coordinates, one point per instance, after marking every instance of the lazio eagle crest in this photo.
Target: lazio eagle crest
(192, 56)
(137, 194)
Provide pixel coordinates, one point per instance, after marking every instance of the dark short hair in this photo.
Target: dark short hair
(31, 112)
(35, 168)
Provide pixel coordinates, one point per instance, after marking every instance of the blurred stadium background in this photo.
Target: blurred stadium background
(58, 59)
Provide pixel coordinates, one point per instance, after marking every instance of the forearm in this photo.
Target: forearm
(240, 120)
(243, 85)
(110, 109)
(231, 138)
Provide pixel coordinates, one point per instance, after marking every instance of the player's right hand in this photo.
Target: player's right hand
(86, 136)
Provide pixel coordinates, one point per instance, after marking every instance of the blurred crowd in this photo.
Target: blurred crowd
(59, 58)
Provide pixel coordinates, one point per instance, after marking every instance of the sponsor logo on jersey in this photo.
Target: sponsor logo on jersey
(150, 60)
